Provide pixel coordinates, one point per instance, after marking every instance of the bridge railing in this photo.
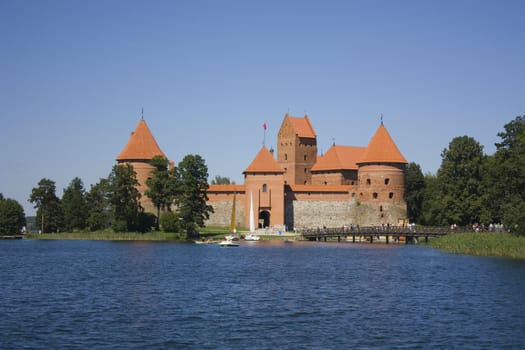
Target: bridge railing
(378, 230)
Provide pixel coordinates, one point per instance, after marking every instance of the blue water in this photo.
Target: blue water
(115, 295)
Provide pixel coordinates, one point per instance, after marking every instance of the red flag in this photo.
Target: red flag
(264, 126)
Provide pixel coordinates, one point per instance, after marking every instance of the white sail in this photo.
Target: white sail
(252, 219)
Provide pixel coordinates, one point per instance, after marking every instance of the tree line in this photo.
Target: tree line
(114, 202)
(472, 188)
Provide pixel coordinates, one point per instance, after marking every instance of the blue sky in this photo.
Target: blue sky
(74, 76)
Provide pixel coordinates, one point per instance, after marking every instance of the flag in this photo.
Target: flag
(264, 126)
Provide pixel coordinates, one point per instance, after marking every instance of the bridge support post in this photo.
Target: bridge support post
(386, 239)
(353, 239)
(371, 239)
(339, 239)
(426, 239)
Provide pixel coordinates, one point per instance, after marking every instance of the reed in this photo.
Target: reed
(482, 244)
(111, 236)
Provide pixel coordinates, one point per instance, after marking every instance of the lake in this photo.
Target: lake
(147, 295)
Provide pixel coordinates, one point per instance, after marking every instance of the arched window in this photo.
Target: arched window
(387, 181)
(286, 156)
(391, 195)
(264, 188)
(375, 195)
(368, 181)
(305, 157)
(380, 208)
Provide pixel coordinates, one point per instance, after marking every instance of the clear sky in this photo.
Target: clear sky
(74, 76)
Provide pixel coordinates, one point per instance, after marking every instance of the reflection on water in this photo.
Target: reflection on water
(84, 294)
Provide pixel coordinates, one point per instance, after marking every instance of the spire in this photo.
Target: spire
(141, 145)
(382, 149)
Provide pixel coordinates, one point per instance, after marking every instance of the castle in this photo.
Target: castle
(298, 188)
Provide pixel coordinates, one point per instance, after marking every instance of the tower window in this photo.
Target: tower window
(380, 208)
(391, 195)
(286, 156)
(305, 170)
(387, 181)
(368, 181)
(375, 195)
(305, 157)
(264, 188)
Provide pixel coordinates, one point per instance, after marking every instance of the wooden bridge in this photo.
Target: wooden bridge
(370, 234)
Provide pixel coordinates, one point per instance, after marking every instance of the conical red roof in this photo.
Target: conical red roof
(264, 163)
(141, 145)
(382, 149)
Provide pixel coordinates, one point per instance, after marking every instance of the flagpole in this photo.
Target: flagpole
(264, 137)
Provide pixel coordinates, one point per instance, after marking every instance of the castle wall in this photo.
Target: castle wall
(335, 177)
(223, 211)
(323, 212)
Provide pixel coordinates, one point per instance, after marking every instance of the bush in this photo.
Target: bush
(145, 222)
(170, 222)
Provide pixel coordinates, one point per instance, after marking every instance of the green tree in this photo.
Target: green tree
(506, 182)
(49, 215)
(459, 179)
(12, 217)
(191, 196)
(221, 180)
(99, 208)
(124, 198)
(415, 187)
(161, 185)
(75, 205)
(170, 222)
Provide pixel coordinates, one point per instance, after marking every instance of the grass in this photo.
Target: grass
(482, 244)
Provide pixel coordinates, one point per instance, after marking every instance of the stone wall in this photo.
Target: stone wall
(223, 212)
(333, 213)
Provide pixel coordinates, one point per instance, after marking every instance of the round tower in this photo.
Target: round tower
(381, 182)
(139, 151)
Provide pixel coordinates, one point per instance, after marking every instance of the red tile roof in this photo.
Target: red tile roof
(339, 158)
(382, 149)
(141, 145)
(264, 163)
(301, 126)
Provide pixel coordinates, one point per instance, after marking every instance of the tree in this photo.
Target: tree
(161, 185)
(191, 197)
(221, 180)
(415, 187)
(75, 205)
(12, 217)
(99, 208)
(505, 181)
(459, 180)
(124, 198)
(170, 222)
(49, 215)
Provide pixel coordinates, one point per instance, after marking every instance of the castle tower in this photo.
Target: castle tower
(297, 149)
(264, 179)
(139, 151)
(381, 181)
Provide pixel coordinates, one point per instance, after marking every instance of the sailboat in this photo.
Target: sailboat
(252, 236)
(228, 240)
